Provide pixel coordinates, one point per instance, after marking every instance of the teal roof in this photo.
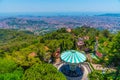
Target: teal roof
(73, 56)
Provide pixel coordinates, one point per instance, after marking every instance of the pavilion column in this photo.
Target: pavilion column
(73, 67)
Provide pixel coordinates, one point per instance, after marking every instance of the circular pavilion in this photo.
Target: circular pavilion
(72, 58)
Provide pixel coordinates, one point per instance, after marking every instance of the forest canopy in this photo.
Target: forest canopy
(23, 55)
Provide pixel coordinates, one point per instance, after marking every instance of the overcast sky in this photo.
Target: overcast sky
(60, 6)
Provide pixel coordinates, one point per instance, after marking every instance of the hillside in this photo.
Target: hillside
(24, 54)
(7, 35)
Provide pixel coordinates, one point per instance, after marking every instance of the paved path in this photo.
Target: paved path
(85, 74)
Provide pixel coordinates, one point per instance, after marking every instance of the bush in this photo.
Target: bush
(43, 72)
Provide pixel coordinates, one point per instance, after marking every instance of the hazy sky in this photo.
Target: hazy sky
(59, 5)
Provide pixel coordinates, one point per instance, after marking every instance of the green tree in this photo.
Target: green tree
(115, 57)
(43, 72)
(9, 70)
(7, 65)
(106, 33)
(74, 45)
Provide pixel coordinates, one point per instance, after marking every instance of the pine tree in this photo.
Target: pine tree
(74, 45)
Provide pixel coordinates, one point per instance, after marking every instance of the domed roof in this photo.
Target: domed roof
(73, 56)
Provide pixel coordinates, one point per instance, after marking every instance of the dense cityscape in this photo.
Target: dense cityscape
(46, 24)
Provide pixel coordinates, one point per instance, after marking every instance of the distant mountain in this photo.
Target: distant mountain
(111, 15)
